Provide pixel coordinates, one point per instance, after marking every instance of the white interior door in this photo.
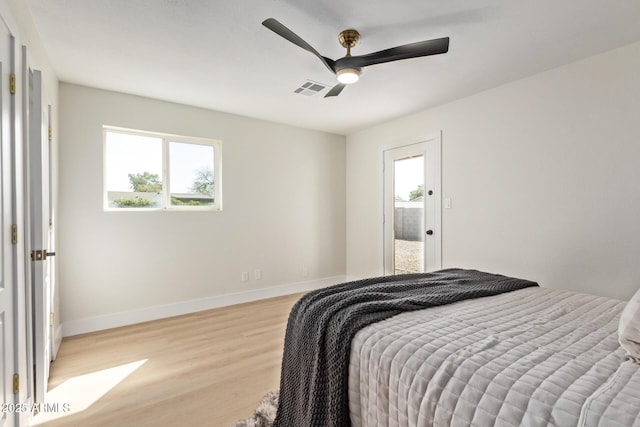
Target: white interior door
(39, 233)
(7, 366)
(412, 232)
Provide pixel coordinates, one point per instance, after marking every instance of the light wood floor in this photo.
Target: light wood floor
(203, 369)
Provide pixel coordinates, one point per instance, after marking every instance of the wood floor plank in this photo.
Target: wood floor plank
(203, 369)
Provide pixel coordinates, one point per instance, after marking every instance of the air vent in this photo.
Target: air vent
(310, 88)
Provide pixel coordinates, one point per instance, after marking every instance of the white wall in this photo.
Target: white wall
(543, 173)
(283, 200)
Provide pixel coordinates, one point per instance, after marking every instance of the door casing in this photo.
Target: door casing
(8, 237)
(430, 147)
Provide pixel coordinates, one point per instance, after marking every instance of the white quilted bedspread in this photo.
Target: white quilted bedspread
(534, 357)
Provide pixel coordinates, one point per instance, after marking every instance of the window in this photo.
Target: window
(147, 171)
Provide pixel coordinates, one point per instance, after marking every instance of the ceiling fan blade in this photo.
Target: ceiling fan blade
(275, 26)
(335, 91)
(412, 50)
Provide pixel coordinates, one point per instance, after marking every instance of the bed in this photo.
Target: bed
(529, 356)
(532, 357)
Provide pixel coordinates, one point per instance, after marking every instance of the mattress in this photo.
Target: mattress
(533, 357)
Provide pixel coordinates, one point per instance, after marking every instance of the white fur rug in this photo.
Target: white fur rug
(264, 414)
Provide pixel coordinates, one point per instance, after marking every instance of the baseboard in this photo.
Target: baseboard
(57, 340)
(98, 323)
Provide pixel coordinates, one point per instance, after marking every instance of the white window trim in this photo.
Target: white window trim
(166, 138)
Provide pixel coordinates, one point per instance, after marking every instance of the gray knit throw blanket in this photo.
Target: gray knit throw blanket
(315, 363)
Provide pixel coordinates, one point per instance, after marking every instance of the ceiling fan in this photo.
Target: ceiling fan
(347, 69)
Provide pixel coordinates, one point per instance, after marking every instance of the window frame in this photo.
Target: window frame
(165, 198)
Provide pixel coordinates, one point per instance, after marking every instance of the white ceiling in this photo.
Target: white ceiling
(216, 54)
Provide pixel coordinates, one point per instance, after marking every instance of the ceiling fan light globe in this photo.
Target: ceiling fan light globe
(348, 75)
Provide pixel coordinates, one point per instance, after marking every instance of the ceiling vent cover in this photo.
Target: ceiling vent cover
(310, 88)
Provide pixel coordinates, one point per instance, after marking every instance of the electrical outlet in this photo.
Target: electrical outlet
(257, 274)
(245, 276)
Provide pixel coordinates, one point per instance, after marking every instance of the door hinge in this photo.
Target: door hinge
(50, 134)
(16, 383)
(52, 318)
(41, 255)
(14, 234)
(12, 84)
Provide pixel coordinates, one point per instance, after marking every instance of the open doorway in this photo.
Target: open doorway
(412, 216)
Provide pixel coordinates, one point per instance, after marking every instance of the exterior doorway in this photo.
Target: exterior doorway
(412, 216)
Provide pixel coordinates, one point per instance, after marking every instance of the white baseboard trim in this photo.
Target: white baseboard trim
(57, 340)
(108, 321)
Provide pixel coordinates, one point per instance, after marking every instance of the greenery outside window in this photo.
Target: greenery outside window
(153, 171)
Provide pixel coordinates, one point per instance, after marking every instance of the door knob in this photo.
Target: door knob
(429, 232)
